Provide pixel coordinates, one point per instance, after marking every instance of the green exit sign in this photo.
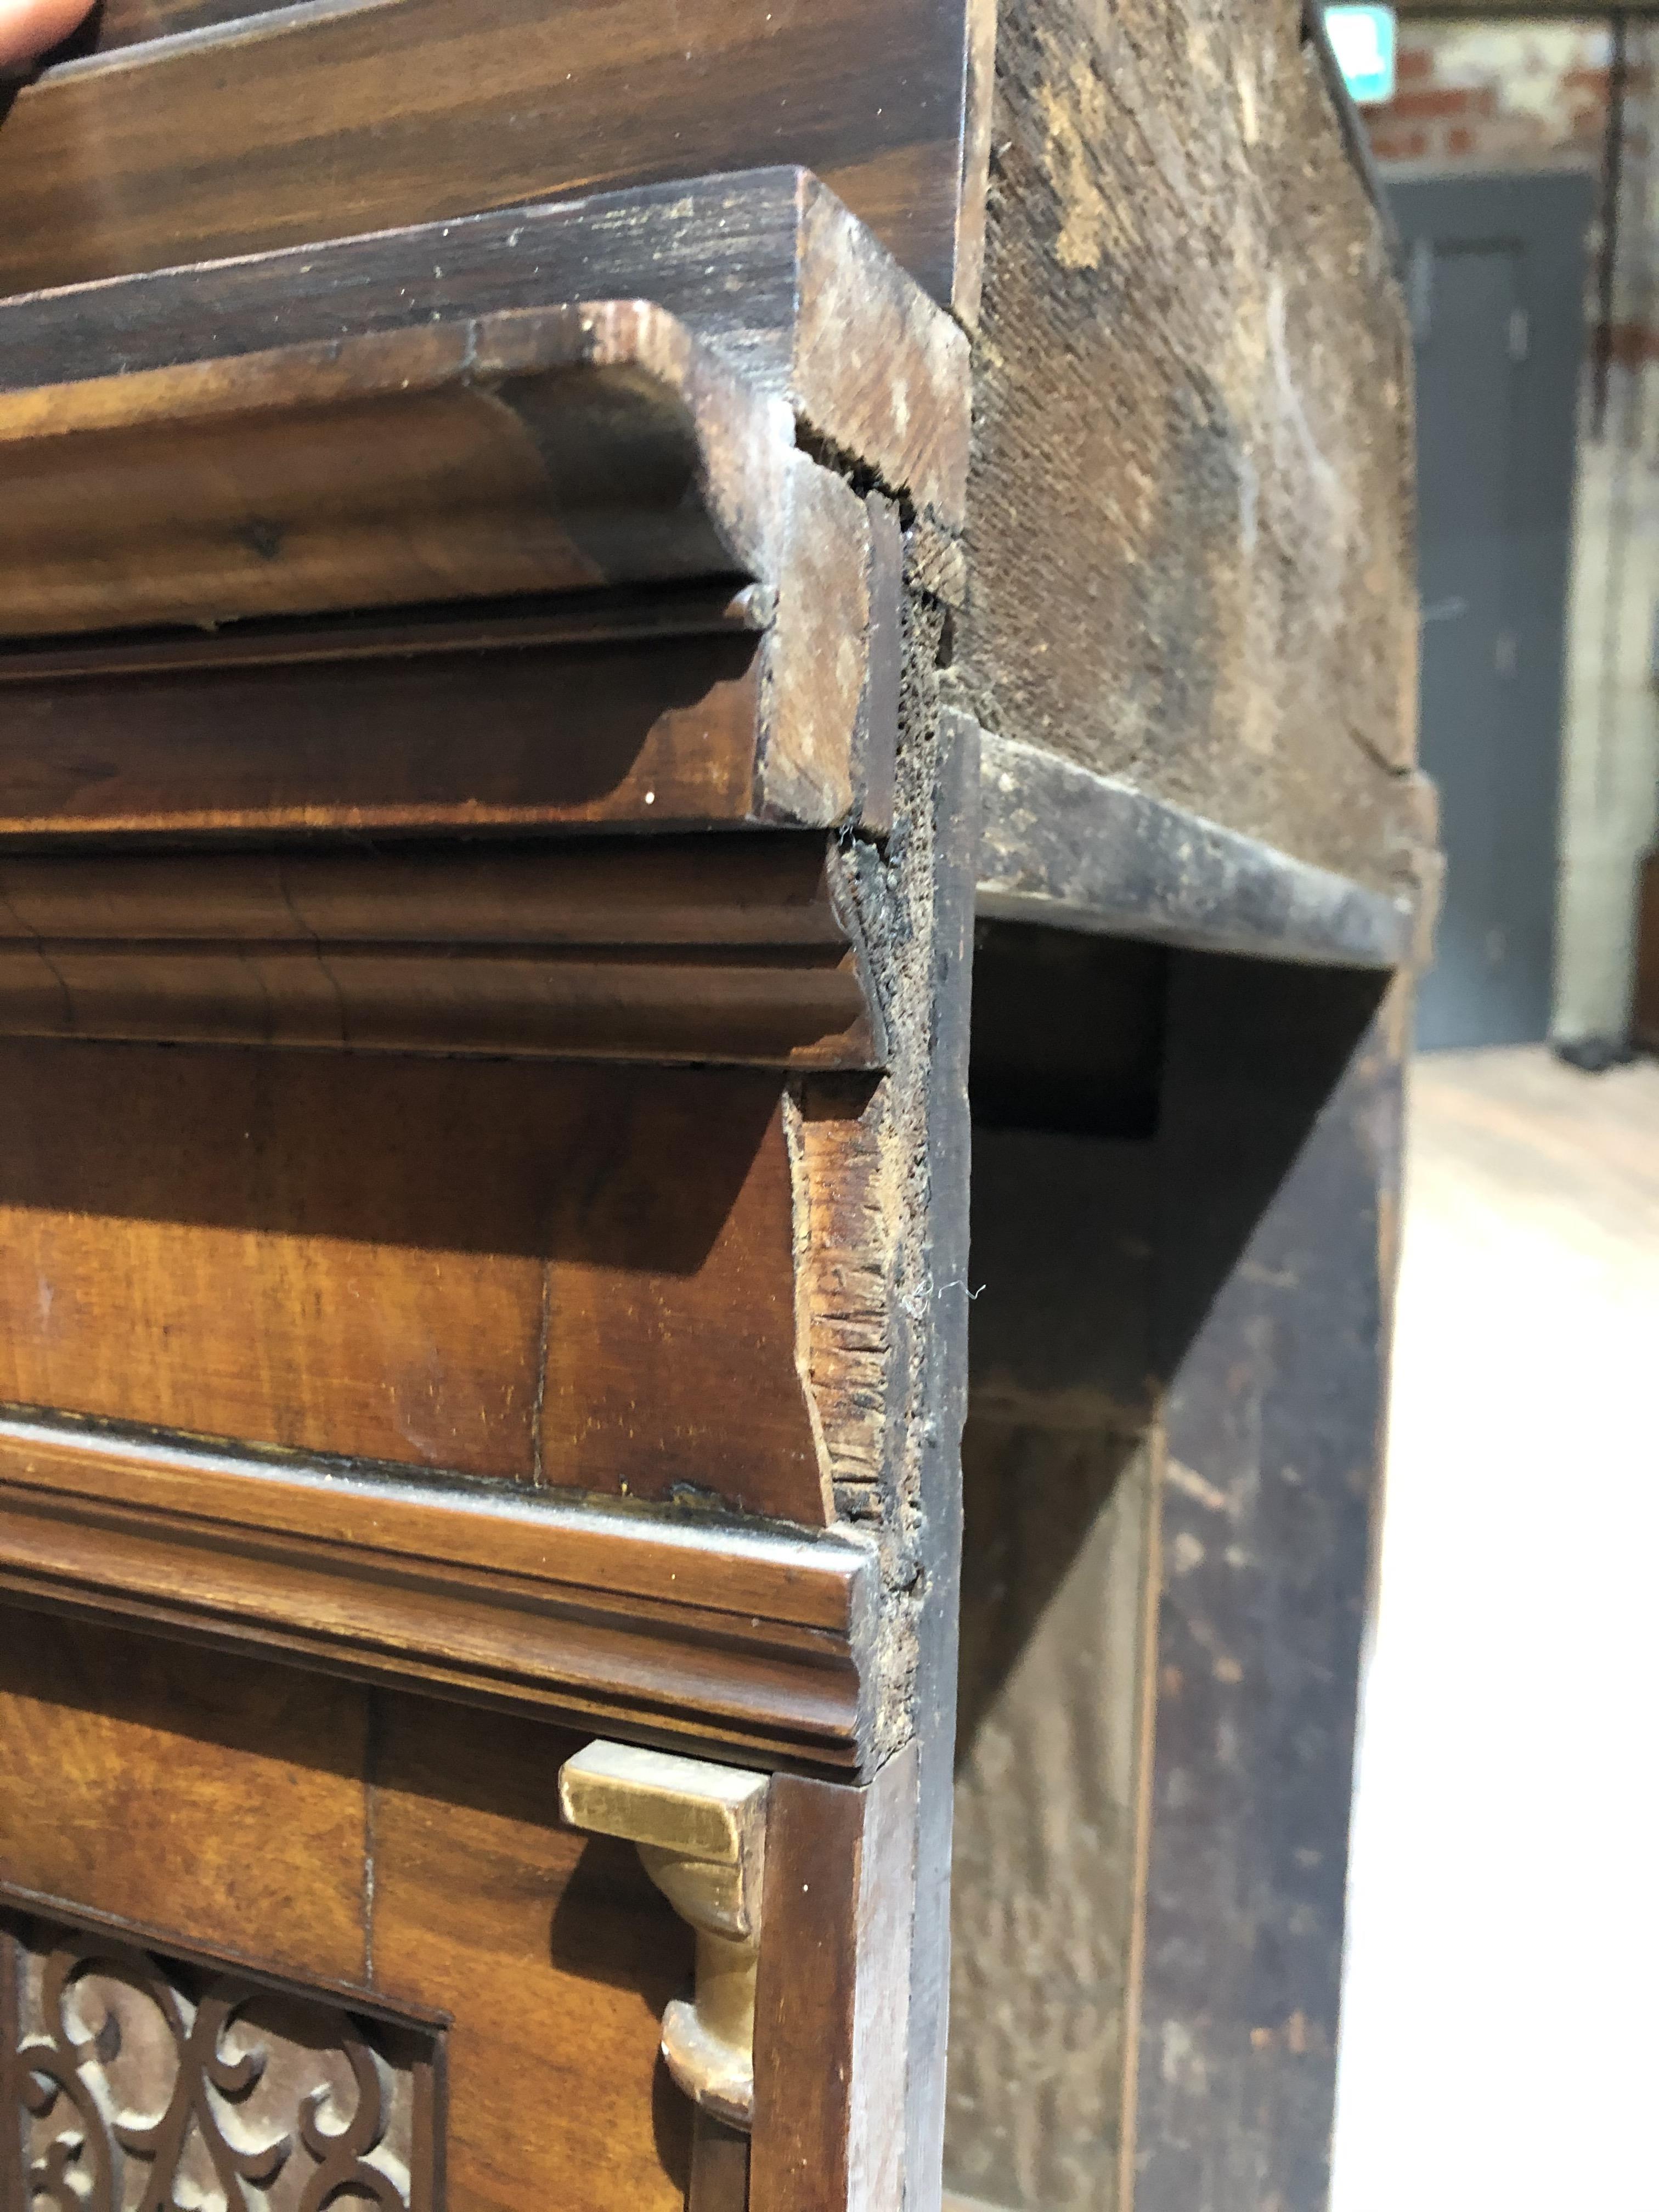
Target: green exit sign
(1363, 40)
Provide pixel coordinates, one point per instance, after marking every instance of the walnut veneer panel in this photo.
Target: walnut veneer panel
(502, 1271)
(362, 1845)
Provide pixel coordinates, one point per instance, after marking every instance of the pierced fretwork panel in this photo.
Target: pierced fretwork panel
(137, 2083)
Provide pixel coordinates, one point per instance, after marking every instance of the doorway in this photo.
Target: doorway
(1495, 281)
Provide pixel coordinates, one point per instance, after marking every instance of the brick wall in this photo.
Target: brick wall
(1488, 95)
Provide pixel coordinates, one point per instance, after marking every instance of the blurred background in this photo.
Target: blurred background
(1499, 2044)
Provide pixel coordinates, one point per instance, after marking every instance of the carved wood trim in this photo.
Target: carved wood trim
(740, 1639)
(733, 950)
(766, 266)
(131, 2076)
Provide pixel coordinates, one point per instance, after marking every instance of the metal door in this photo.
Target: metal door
(1495, 278)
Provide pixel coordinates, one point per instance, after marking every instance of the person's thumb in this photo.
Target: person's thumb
(28, 27)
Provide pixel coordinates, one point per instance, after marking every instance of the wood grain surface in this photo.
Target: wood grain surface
(363, 1844)
(832, 2009)
(719, 949)
(306, 121)
(663, 732)
(544, 450)
(1281, 1139)
(753, 1641)
(482, 1269)
(1190, 505)
(766, 266)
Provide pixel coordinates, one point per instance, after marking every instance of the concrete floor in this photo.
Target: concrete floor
(1501, 2016)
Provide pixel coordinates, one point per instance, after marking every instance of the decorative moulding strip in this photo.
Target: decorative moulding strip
(752, 1642)
(737, 951)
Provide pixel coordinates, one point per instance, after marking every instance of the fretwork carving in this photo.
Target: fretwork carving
(141, 2083)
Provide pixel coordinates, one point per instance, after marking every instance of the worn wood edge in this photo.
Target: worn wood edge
(880, 375)
(733, 950)
(739, 444)
(1065, 847)
(979, 29)
(812, 309)
(598, 617)
(754, 1640)
(909, 186)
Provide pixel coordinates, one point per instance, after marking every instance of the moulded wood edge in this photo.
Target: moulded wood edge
(755, 1641)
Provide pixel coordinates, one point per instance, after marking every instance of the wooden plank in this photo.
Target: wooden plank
(766, 266)
(224, 140)
(1059, 1584)
(953, 847)
(535, 451)
(722, 950)
(1189, 507)
(542, 451)
(370, 1850)
(475, 1267)
(831, 2012)
(550, 1950)
(711, 1636)
(1067, 847)
(1280, 1176)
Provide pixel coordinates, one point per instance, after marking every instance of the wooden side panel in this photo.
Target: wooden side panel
(1190, 508)
(410, 1853)
(359, 117)
(832, 2008)
(495, 1270)
(1281, 1134)
(1060, 1552)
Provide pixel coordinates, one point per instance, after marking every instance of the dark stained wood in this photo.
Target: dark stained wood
(215, 144)
(661, 733)
(127, 2029)
(548, 450)
(1060, 1587)
(720, 2167)
(953, 856)
(476, 1267)
(1189, 507)
(831, 2012)
(535, 451)
(1281, 1176)
(766, 266)
(716, 950)
(702, 1634)
(1064, 846)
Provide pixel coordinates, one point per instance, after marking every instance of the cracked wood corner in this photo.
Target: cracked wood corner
(547, 454)
(700, 1833)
